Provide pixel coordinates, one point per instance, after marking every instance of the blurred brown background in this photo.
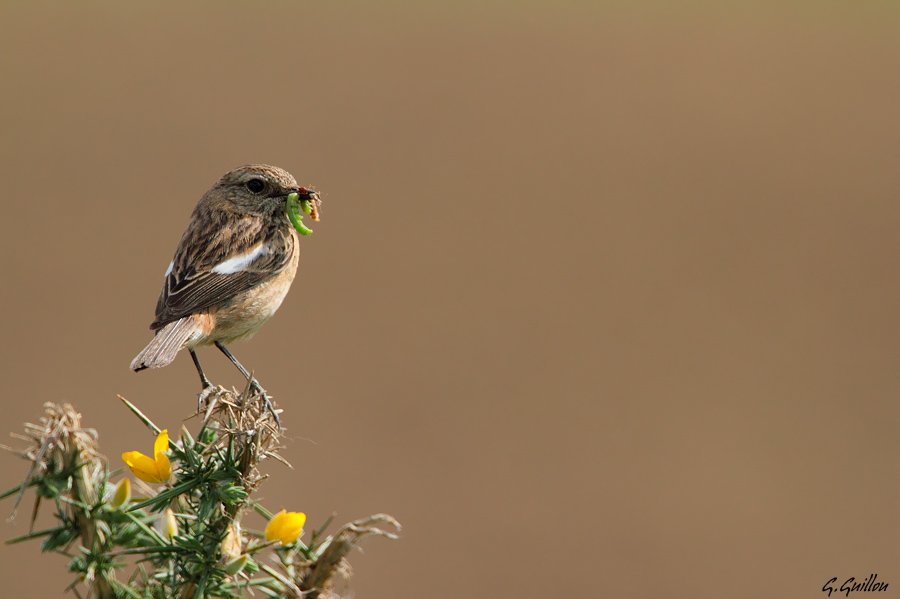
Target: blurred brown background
(604, 301)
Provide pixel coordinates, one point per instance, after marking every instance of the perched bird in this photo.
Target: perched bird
(233, 266)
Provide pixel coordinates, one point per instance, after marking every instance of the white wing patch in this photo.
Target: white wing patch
(169, 270)
(239, 263)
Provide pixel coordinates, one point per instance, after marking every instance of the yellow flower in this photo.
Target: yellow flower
(151, 470)
(122, 494)
(168, 525)
(285, 527)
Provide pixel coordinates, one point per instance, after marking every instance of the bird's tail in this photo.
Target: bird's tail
(168, 342)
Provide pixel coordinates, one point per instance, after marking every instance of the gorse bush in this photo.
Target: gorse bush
(177, 532)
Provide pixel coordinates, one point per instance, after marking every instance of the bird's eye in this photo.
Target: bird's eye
(255, 185)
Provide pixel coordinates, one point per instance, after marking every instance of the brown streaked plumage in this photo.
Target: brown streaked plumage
(232, 268)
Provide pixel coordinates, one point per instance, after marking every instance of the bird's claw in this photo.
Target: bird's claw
(203, 397)
(254, 388)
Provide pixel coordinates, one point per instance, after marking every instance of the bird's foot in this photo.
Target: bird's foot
(257, 389)
(203, 398)
(271, 408)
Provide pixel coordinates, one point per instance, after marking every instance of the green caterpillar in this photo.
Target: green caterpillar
(294, 205)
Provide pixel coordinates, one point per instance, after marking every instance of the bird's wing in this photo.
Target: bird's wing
(217, 258)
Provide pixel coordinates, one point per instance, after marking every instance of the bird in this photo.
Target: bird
(232, 267)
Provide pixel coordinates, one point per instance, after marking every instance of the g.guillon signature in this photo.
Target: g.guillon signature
(851, 585)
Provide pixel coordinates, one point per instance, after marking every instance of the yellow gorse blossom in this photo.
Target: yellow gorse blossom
(285, 526)
(122, 494)
(168, 525)
(151, 470)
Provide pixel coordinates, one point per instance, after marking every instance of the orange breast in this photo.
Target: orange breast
(242, 315)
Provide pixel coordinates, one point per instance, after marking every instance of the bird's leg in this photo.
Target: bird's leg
(203, 380)
(253, 383)
(239, 366)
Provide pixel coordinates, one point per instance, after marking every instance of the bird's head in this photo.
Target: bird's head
(259, 190)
